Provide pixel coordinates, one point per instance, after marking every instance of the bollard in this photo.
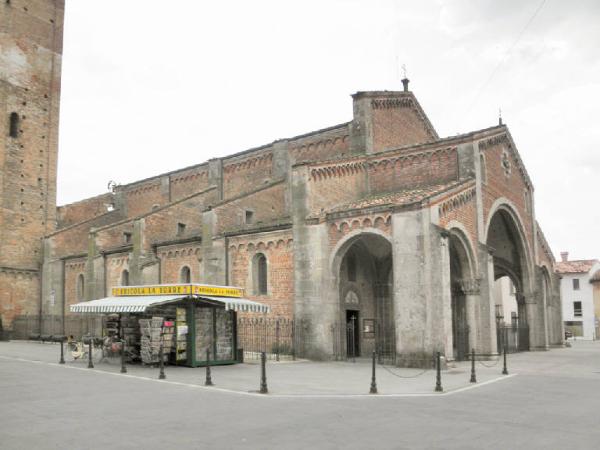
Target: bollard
(473, 377)
(263, 373)
(438, 373)
(62, 353)
(373, 389)
(123, 368)
(90, 344)
(208, 381)
(504, 370)
(161, 363)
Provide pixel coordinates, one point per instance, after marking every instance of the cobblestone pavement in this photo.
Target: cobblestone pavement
(550, 400)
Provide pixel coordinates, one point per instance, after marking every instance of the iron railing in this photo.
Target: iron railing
(279, 338)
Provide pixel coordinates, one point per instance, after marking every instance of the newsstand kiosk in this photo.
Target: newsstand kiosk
(185, 319)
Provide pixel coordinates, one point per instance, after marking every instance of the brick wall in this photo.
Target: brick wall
(185, 182)
(245, 174)
(399, 126)
(338, 229)
(335, 184)
(73, 213)
(400, 171)
(512, 186)
(115, 265)
(73, 269)
(278, 250)
(19, 295)
(321, 146)
(142, 197)
(174, 257)
(460, 207)
(267, 205)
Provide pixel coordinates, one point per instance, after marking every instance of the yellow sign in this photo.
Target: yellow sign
(177, 289)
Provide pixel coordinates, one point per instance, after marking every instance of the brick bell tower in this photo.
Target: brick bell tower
(31, 33)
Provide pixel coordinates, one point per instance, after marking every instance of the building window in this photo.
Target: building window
(125, 278)
(80, 287)
(577, 312)
(575, 284)
(185, 275)
(249, 217)
(180, 229)
(127, 238)
(13, 129)
(260, 274)
(351, 266)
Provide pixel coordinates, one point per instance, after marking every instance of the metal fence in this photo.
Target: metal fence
(25, 326)
(514, 337)
(279, 338)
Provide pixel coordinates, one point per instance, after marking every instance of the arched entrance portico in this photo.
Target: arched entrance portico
(463, 300)
(506, 242)
(363, 270)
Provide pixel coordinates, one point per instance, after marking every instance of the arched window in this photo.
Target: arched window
(260, 274)
(80, 287)
(14, 125)
(482, 167)
(351, 266)
(125, 278)
(185, 275)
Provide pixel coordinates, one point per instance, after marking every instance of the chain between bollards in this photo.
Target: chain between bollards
(123, 368)
(373, 389)
(62, 352)
(208, 381)
(473, 376)
(90, 363)
(438, 373)
(161, 362)
(504, 370)
(263, 373)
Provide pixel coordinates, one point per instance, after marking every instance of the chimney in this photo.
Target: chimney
(405, 83)
(564, 256)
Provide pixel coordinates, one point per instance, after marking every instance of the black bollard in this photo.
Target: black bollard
(62, 352)
(504, 370)
(438, 373)
(473, 377)
(263, 373)
(373, 389)
(161, 363)
(208, 381)
(123, 368)
(90, 354)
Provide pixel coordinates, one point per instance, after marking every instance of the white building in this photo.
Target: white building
(578, 287)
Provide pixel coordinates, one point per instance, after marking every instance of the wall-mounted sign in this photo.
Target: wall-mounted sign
(183, 289)
(369, 328)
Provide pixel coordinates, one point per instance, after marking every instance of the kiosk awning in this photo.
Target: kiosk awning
(143, 302)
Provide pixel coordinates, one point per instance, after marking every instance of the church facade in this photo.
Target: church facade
(376, 224)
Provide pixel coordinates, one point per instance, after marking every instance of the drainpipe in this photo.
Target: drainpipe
(64, 303)
(226, 261)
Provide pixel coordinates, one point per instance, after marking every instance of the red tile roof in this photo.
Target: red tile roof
(579, 266)
(403, 197)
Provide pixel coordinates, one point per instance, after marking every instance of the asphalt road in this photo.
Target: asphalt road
(552, 403)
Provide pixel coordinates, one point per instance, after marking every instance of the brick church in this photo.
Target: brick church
(377, 222)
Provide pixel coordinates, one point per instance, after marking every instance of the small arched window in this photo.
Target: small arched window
(260, 274)
(125, 278)
(351, 266)
(185, 276)
(482, 167)
(80, 287)
(13, 129)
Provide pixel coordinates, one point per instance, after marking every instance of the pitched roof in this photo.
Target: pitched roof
(577, 266)
(403, 197)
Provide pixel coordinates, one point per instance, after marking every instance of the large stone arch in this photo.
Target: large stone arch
(361, 268)
(511, 257)
(464, 290)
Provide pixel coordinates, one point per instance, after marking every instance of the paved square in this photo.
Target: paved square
(550, 401)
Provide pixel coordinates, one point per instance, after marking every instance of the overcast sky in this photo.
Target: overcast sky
(150, 86)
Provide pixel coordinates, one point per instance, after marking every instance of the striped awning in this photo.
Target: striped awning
(142, 303)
